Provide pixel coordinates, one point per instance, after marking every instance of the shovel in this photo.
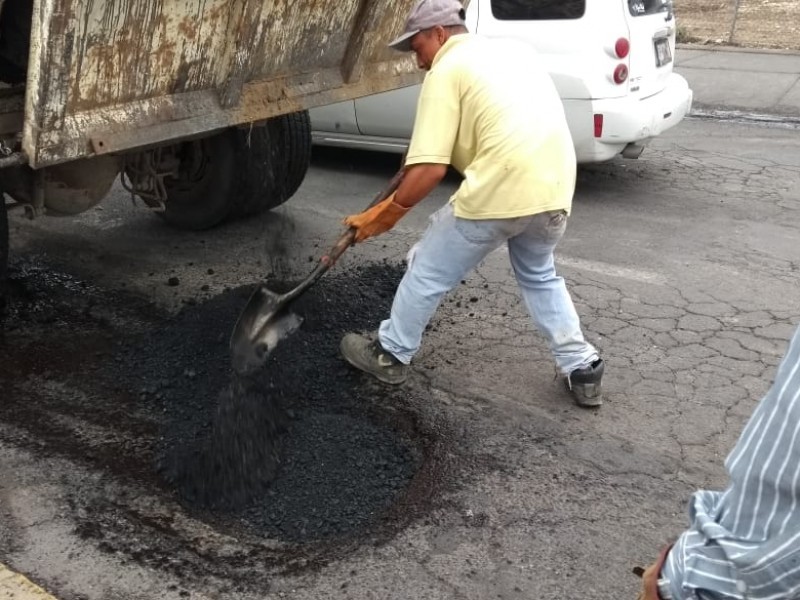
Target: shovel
(266, 319)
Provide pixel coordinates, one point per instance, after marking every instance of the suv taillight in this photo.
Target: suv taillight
(620, 74)
(598, 125)
(622, 47)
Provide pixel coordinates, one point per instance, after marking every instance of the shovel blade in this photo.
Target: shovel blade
(263, 323)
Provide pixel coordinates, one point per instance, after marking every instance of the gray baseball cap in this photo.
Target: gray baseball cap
(427, 14)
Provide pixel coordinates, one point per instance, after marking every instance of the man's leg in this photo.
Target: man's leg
(449, 249)
(550, 305)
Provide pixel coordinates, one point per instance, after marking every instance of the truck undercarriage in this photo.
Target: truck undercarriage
(204, 119)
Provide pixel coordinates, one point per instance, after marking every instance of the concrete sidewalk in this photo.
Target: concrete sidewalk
(761, 82)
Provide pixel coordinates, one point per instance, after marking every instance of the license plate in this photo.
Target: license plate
(663, 52)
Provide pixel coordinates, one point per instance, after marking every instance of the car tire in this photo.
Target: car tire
(276, 157)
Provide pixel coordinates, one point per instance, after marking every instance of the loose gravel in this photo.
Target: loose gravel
(306, 449)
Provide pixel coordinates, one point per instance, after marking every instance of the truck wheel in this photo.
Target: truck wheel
(238, 172)
(296, 135)
(201, 195)
(3, 253)
(276, 155)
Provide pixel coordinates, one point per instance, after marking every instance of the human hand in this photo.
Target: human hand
(649, 589)
(650, 575)
(376, 220)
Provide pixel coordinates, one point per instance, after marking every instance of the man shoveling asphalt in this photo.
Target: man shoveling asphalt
(489, 109)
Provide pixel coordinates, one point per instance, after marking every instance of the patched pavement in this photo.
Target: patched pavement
(683, 266)
(684, 269)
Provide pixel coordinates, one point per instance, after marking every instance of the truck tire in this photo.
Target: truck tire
(296, 136)
(277, 156)
(239, 172)
(202, 194)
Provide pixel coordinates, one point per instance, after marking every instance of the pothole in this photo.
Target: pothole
(358, 460)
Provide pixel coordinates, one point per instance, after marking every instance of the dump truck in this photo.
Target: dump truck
(198, 106)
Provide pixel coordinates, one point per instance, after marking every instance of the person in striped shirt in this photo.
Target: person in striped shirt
(744, 542)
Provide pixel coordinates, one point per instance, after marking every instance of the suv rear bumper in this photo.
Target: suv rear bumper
(628, 120)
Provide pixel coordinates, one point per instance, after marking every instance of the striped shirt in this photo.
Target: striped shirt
(745, 542)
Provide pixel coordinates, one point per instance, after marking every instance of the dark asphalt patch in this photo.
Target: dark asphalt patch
(306, 409)
(233, 464)
(108, 382)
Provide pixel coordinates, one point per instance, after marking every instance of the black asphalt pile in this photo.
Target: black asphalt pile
(236, 461)
(299, 449)
(142, 404)
(40, 296)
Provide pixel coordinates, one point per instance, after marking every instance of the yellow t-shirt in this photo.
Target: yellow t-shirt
(490, 109)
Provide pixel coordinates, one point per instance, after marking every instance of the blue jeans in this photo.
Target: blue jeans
(452, 247)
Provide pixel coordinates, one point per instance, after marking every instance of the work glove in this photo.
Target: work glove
(376, 220)
(650, 576)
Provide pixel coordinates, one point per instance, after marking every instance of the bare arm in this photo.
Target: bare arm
(419, 181)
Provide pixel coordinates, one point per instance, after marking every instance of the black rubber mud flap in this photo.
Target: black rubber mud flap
(15, 37)
(3, 253)
(276, 155)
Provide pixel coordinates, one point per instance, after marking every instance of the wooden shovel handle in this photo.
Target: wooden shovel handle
(342, 244)
(349, 236)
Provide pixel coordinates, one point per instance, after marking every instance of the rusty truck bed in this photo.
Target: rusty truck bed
(120, 74)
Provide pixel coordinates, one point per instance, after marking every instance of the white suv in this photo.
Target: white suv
(611, 61)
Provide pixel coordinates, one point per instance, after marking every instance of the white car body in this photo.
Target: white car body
(578, 41)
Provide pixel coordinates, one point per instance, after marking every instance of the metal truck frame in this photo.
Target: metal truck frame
(200, 106)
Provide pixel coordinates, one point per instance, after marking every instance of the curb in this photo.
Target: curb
(739, 116)
(15, 586)
(712, 47)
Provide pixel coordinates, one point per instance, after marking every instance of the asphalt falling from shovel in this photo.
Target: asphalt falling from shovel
(151, 418)
(286, 447)
(239, 459)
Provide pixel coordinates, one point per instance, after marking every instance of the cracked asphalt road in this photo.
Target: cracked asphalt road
(684, 266)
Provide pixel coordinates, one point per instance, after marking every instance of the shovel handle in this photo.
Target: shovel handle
(343, 243)
(349, 236)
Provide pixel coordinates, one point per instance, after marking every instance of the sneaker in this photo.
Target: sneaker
(370, 357)
(585, 384)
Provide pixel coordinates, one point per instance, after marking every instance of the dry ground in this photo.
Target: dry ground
(758, 23)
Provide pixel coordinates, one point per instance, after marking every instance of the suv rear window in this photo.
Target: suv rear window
(640, 8)
(538, 10)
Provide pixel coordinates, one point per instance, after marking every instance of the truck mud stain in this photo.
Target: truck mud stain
(178, 465)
